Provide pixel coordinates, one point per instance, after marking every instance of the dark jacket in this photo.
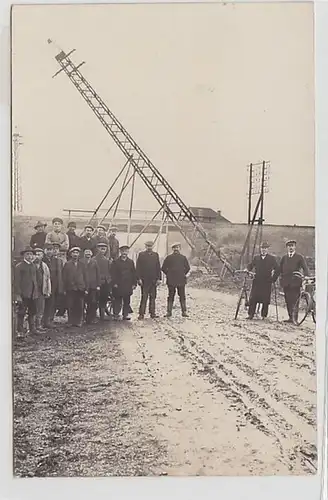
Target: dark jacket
(114, 247)
(26, 281)
(100, 239)
(266, 272)
(175, 267)
(124, 276)
(148, 267)
(74, 240)
(75, 276)
(104, 266)
(290, 264)
(38, 240)
(55, 265)
(93, 274)
(87, 243)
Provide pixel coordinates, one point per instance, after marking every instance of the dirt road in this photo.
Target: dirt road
(204, 395)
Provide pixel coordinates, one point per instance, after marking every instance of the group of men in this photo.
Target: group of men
(291, 269)
(61, 271)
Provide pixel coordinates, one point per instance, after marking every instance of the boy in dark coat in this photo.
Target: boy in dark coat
(176, 267)
(26, 290)
(104, 265)
(114, 245)
(290, 265)
(149, 276)
(266, 272)
(73, 238)
(124, 282)
(87, 241)
(38, 239)
(75, 287)
(100, 236)
(93, 279)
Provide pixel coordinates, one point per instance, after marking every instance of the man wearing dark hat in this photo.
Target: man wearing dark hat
(176, 268)
(57, 235)
(75, 287)
(26, 290)
(55, 266)
(73, 238)
(93, 278)
(87, 241)
(38, 239)
(124, 281)
(114, 245)
(290, 266)
(104, 266)
(266, 273)
(100, 236)
(148, 269)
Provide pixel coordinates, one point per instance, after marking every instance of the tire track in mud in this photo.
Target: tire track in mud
(243, 398)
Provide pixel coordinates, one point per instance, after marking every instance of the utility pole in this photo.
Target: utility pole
(258, 184)
(16, 178)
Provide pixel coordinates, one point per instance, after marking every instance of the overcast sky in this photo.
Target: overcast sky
(203, 89)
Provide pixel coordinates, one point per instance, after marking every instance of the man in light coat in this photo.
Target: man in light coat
(57, 235)
(44, 286)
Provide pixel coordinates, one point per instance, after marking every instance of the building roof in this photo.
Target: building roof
(208, 213)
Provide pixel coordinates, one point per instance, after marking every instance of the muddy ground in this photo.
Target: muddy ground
(204, 395)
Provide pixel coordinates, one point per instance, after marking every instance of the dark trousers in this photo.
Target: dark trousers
(181, 290)
(148, 291)
(60, 304)
(252, 308)
(91, 302)
(27, 306)
(75, 304)
(49, 310)
(291, 295)
(122, 301)
(103, 295)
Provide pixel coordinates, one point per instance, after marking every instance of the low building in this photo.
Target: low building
(204, 214)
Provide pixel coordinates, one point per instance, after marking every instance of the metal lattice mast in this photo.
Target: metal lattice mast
(176, 210)
(16, 184)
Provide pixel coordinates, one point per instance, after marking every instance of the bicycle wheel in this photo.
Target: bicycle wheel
(301, 308)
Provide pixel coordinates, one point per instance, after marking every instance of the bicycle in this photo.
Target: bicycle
(245, 290)
(306, 302)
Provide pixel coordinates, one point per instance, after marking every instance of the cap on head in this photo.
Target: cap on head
(101, 227)
(290, 243)
(149, 243)
(38, 250)
(75, 249)
(56, 245)
(40, 224)
(102, 244)
(113, 228)
(57, 219)
(176, 245)
(27, 250)
(48, 246)
(124, 247)
(72, 224)
(264, 244)
(88, 226)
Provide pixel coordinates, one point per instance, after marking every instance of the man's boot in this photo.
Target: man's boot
(169, 308)
(31, 324)
(183, 308)
(102, 313)
(20, 324)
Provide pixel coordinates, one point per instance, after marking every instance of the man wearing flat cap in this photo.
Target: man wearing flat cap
(87, 241)
(291, 265)
(124, 282)
(104, 266)
(57, 235)
(100, 236)
(176, 268)
(114, 245)
(39, 238)
(26, 290)
(148, 269)
(75, 282)
(266, 273)
(55, 265)
(73, 238)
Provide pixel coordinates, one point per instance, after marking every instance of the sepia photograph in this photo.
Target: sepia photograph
(163, 240)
